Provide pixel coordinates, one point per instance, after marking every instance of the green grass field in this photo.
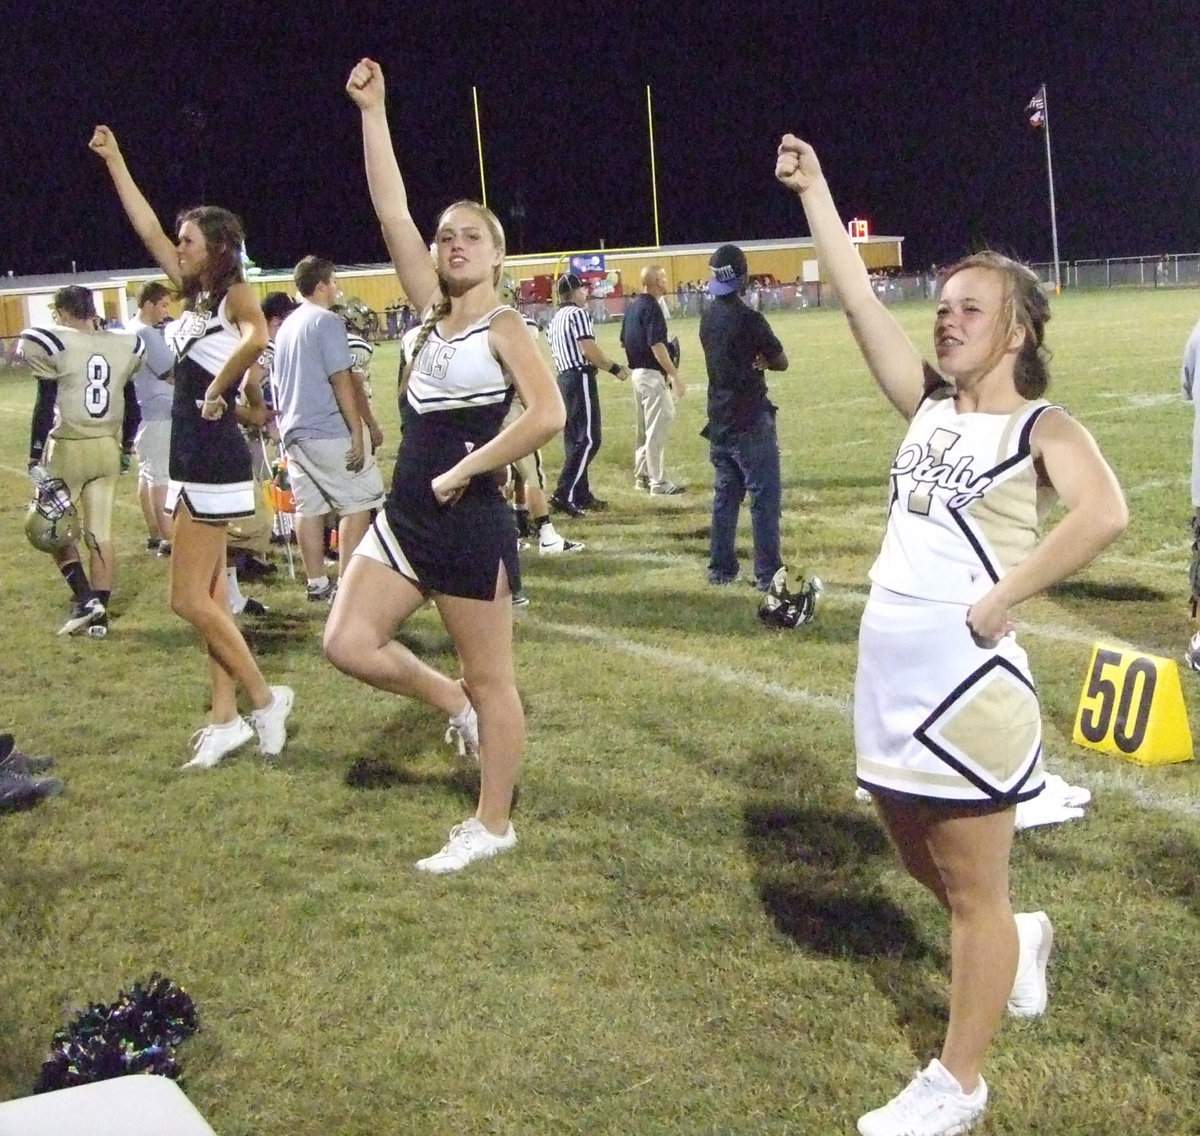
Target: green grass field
(701, 931)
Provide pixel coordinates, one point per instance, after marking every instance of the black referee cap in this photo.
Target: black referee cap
(568, 283)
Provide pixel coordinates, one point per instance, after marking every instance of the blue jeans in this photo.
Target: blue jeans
(746, 463)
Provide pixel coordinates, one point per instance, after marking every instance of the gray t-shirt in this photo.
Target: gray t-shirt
(310, 346)
(153, 394)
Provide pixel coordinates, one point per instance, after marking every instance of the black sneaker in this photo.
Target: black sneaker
(12, 760)
(20, 791)
(249, 567)
(152, 543)
(83, 613)
(97, 629)
(253, 607)
(558, 505)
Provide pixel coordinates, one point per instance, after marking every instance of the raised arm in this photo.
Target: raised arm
(889, 353)
(409, 253)
(137, 208)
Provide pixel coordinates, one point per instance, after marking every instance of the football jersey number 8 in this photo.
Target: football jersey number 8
(96, 395)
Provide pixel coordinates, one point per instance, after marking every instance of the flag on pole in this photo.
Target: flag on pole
(1037, 108)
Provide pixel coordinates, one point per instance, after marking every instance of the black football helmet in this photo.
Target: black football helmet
(790, 603)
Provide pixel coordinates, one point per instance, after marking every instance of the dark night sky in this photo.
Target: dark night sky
(917, 110)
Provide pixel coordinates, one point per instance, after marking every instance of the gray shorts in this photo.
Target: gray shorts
(322, 483)
(153, 446)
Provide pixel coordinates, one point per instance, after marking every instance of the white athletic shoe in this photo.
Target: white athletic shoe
(550, 543)
(212, 743)
(933, 1104)
(271, 721)
(1035, 937)
(468, 842)
(1191, 656)
(83, 615)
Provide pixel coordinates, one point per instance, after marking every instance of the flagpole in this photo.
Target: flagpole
(479, 145)
(1050, 177)
(653, 171)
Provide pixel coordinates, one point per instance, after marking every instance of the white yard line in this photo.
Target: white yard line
(1066, 763)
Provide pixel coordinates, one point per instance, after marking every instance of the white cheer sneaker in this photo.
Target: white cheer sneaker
(933, 1104)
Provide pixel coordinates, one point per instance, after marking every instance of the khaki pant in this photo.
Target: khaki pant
(655, 413)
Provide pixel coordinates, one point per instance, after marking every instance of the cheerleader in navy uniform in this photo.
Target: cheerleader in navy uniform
(222, 331)
(949, 741)
(446, 531)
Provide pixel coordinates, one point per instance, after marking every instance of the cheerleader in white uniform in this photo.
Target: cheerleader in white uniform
(947, 725)
(221, 332)
(445, 531)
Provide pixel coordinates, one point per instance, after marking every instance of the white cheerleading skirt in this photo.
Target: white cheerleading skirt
(212, 502)
(938, 717)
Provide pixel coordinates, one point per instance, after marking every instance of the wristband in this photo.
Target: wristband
(614, 368)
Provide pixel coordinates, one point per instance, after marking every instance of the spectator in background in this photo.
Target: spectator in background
(656, 380)
(577, 357)
(155, 389)
(322, 410)
(248, 539)
(742, 443)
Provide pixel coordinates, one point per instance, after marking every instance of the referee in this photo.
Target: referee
(577, 357)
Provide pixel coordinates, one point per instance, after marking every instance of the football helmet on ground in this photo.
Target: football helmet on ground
(790, 603)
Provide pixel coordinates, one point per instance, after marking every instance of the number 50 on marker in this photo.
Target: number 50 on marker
(1132, 705)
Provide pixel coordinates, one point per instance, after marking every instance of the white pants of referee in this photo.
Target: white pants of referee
(655, 412)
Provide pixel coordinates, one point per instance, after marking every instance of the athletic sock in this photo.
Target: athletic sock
(77, 580)
(237, 601)
(317, 582)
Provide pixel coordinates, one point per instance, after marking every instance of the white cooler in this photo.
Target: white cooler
(141, 1104)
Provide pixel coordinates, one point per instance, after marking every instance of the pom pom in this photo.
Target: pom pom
(137, 1033)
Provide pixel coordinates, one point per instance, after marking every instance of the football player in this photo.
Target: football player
(84, 421)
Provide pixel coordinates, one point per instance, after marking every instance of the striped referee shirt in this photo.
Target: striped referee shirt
(570, 324)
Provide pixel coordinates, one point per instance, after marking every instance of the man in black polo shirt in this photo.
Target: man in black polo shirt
(656, 379)
(742, 444)
(577, 357)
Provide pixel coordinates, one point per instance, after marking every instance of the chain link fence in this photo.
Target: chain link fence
(1171, 270)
